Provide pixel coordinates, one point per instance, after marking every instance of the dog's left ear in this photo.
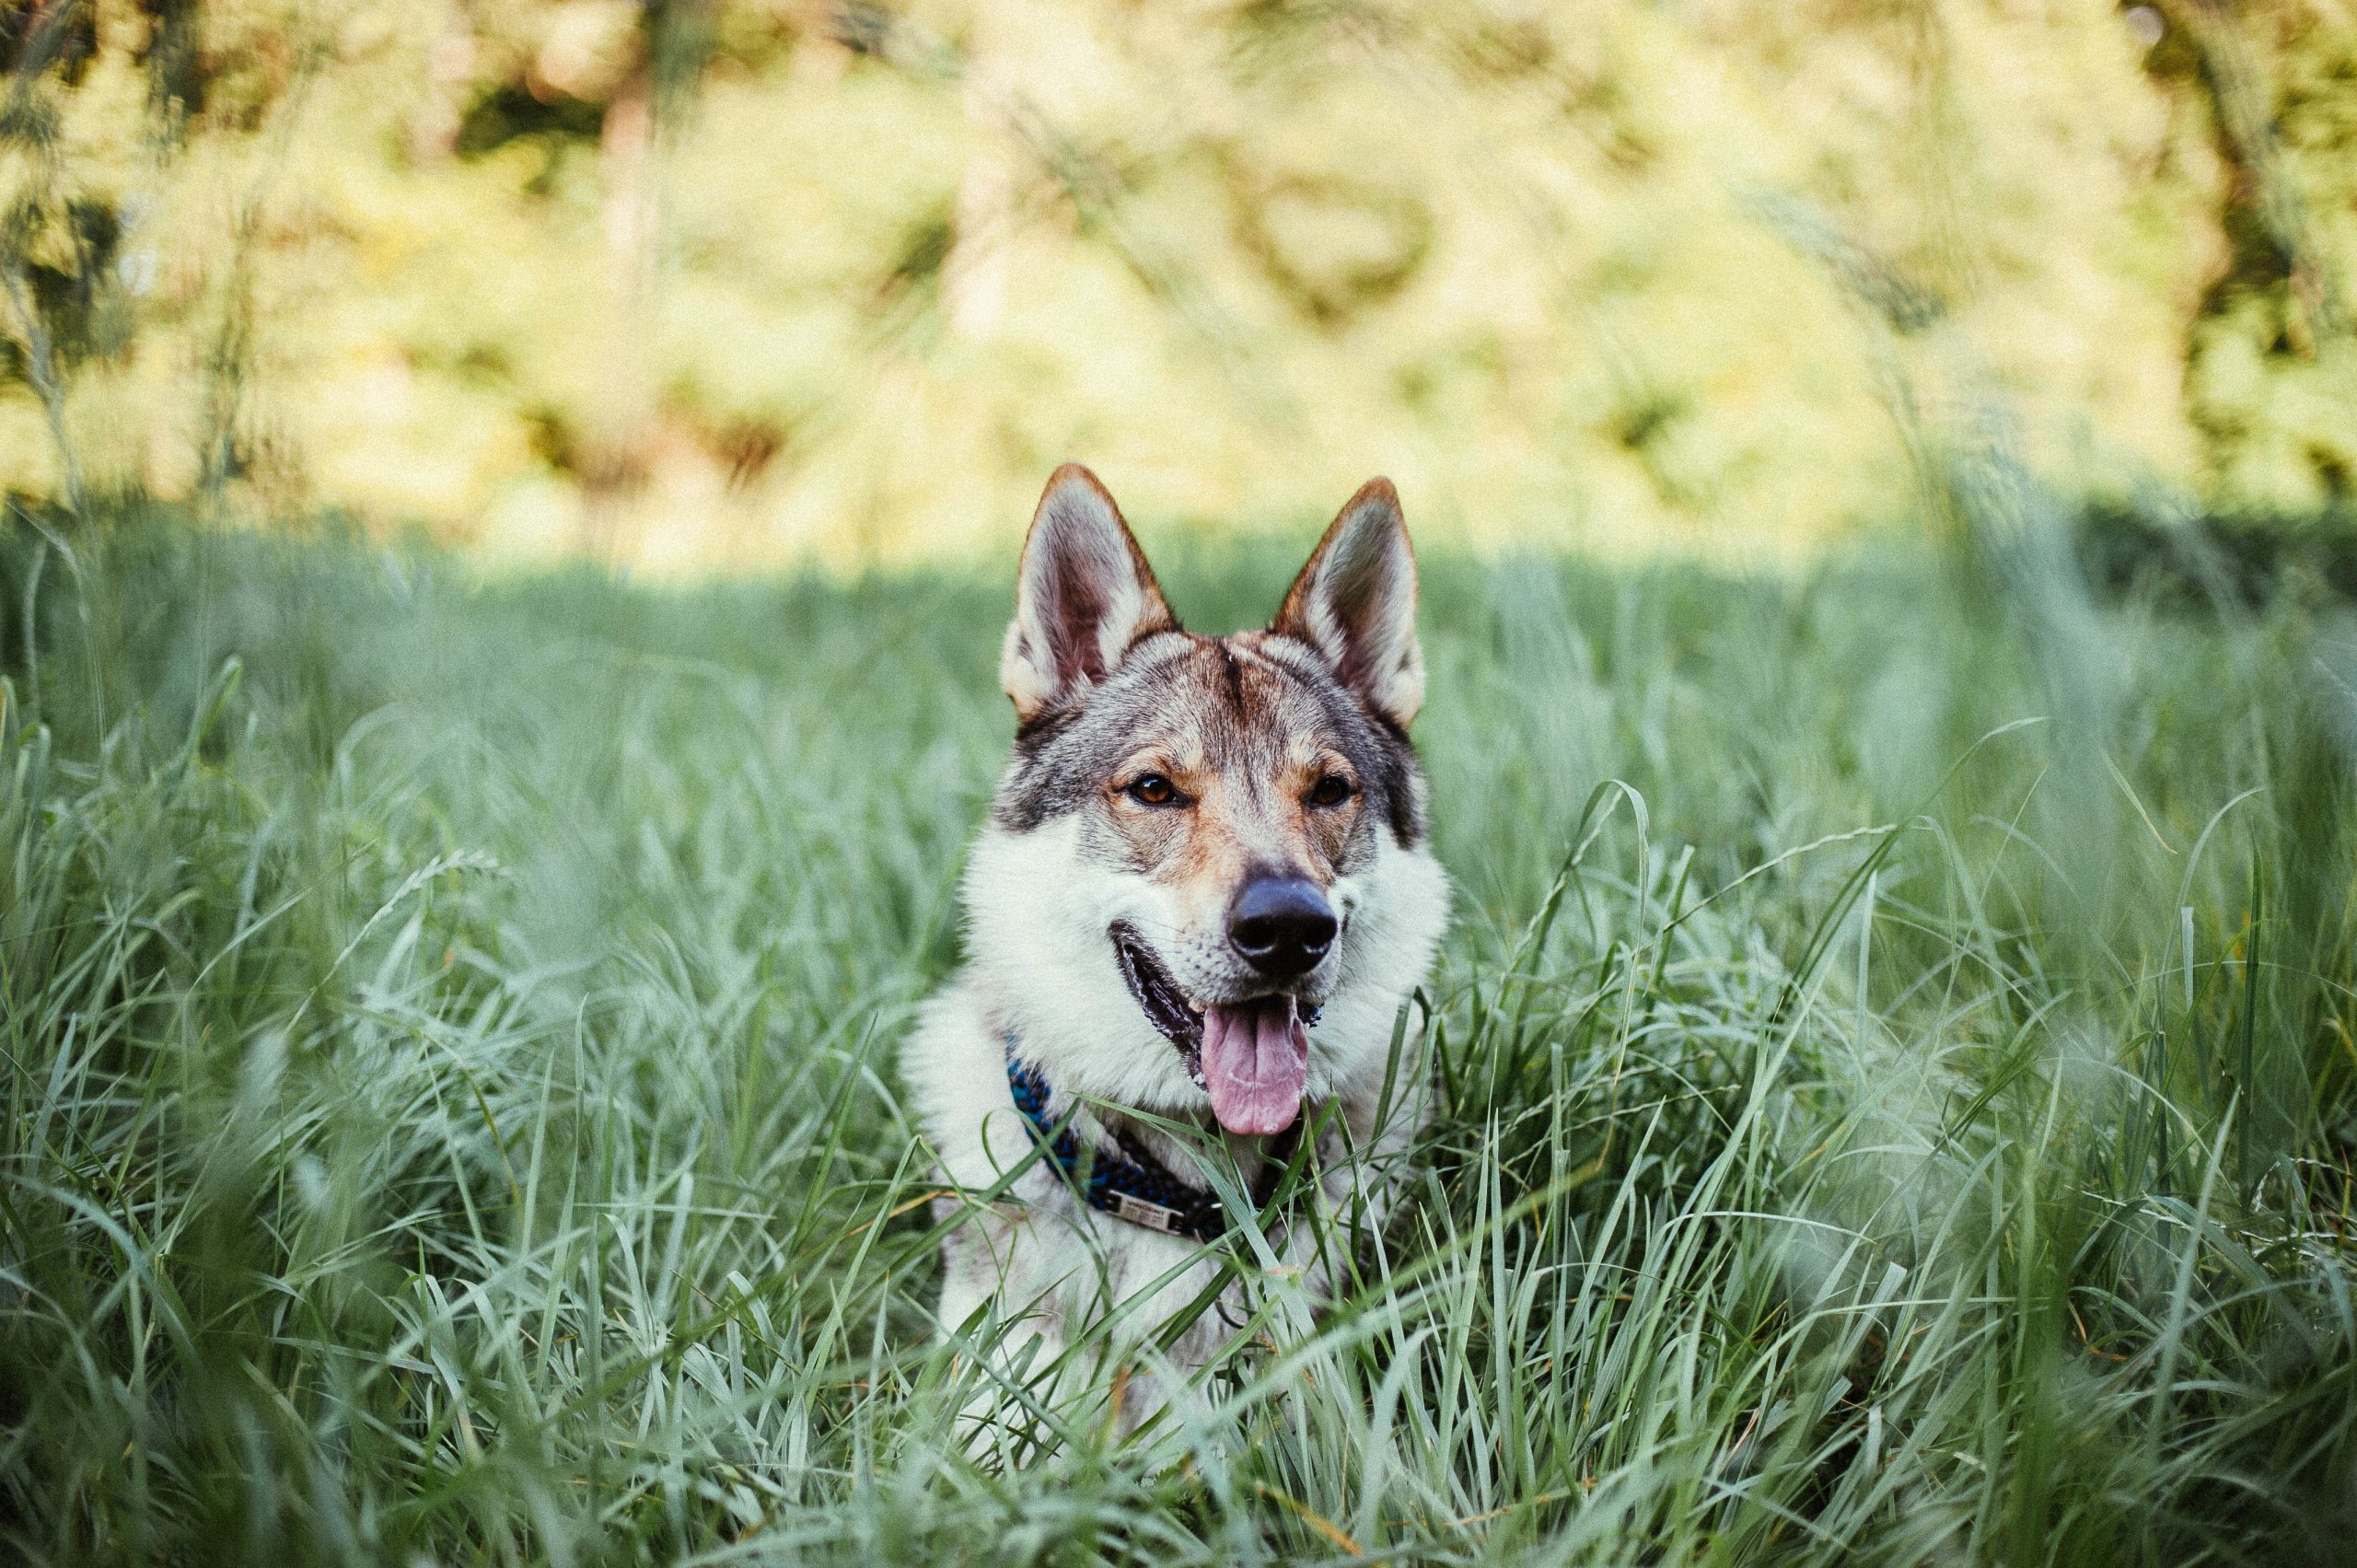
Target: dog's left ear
(1084, 594)
(1356, 603)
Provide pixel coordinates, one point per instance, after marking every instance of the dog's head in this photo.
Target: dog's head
(1205, 845)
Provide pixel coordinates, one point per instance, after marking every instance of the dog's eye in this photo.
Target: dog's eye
(1152, 789)
(1331, 790)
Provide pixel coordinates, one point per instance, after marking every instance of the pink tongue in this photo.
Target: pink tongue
(1256, 1059)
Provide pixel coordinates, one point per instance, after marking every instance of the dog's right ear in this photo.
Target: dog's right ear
(1355, 603)
(1084, 594)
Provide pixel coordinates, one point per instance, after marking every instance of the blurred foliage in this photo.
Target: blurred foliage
(697, 283)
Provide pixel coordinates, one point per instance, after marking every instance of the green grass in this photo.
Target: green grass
(1897, 1035)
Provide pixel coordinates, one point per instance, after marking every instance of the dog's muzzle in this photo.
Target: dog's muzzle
(1251, 1056)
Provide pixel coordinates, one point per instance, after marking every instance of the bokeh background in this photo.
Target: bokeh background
(507, 522)
(704, 285)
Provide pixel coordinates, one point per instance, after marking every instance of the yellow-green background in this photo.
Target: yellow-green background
(697, 287)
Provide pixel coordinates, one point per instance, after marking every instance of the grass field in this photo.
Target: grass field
(1897, 1037)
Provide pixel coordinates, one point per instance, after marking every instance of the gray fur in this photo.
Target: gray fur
(1168, 682)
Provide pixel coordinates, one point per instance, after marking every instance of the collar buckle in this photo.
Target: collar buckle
(1154, 1216)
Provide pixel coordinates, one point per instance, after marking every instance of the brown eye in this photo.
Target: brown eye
(1153, 789)
(1331, 790)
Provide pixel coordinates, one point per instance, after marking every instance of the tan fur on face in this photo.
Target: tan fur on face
(1245, 745)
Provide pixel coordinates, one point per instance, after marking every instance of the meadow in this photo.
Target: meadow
(1896, 1037)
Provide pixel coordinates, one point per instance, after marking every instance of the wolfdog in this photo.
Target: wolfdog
(1202, 901)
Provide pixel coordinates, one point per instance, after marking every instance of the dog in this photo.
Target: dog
(1202, 901)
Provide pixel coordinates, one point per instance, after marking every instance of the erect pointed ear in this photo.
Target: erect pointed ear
(1083, 596)
(1355, 603)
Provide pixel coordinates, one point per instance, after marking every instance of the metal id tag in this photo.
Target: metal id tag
(1154, 1216)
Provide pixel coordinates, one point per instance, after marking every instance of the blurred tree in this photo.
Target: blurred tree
(2272, 370)
(688, 282)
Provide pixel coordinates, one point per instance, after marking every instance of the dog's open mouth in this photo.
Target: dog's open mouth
(1251, 1057)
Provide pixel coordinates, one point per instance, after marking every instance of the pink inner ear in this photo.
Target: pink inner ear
(1357, 669)
(1357, 581)
(1074, 615)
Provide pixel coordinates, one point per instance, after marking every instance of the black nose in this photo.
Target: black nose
(1282, 926)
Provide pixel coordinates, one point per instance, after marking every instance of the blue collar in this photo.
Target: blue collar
(1134, 1185)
